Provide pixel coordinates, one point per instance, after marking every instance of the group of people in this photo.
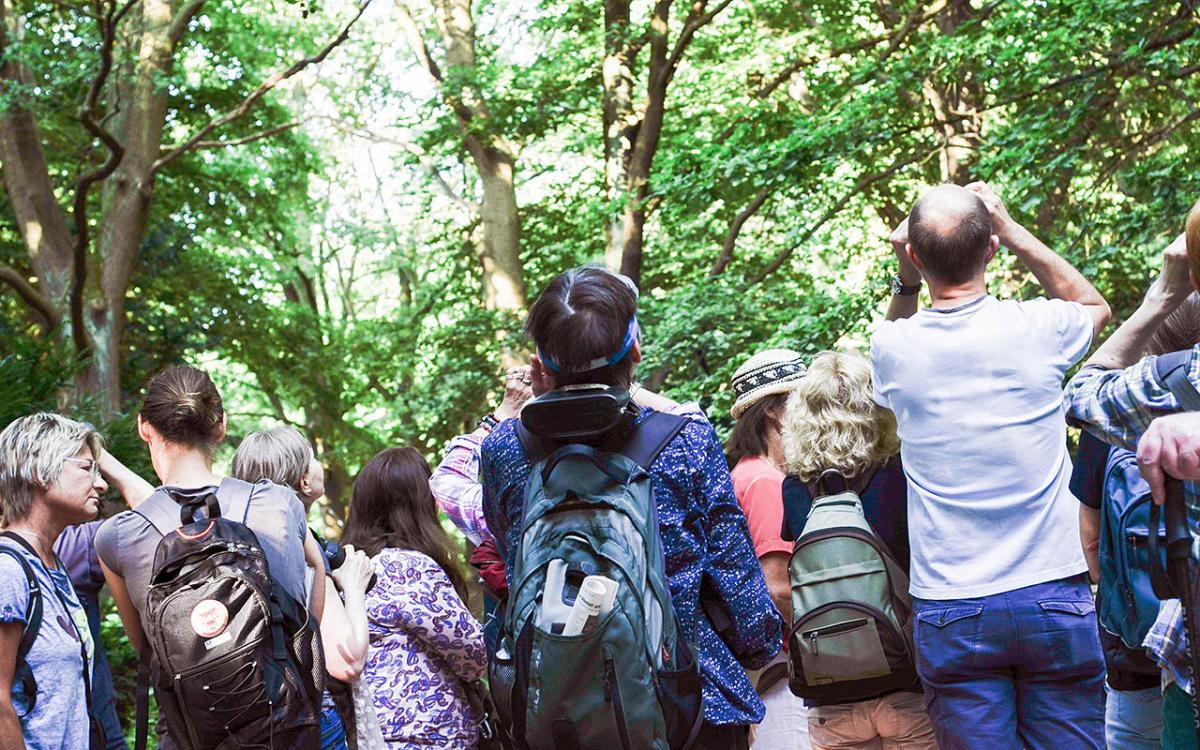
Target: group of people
(951, 437)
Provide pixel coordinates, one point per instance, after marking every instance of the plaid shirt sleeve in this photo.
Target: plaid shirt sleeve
(1167, 643)
(1118, 405)
(456, 486)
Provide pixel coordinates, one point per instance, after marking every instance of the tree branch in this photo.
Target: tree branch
(863, 183)
(262, 134)
(87, 115)
(181, 20)
(266, 86)
(416, 42)
(697, 18)
(735, 229)
(32, 297)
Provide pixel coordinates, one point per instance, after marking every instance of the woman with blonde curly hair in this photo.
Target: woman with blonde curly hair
(832, 422)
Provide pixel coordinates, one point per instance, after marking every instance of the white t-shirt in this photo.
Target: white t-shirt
(977, 393)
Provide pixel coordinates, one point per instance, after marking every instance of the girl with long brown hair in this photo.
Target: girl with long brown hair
(425, 644)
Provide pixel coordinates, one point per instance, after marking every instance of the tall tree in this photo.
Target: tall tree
(633, 125)
(82, 286)
(494, 156)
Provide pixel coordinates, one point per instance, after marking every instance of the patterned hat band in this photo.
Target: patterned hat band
(766, 374)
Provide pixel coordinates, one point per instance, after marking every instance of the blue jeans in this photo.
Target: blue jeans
(333, 734)
(1133, 719)
(1018, 669)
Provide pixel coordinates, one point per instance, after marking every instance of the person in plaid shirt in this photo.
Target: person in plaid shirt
(1119, 399)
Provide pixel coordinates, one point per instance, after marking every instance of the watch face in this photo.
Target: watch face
(897, 287)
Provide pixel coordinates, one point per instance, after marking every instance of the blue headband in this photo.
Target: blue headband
(631, 337)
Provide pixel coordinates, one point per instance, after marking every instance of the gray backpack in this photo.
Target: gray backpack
(851, 631)
(629, 681)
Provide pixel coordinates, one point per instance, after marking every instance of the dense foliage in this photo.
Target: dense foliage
(333, 251)
(331, 271)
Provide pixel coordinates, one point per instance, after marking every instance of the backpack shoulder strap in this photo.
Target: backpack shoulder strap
(536, 448)
(236, 495)
(155, 510)
(33, 611)
(652, 437)
(1172, 372)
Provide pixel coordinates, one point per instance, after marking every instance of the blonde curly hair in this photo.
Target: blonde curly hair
(832, 421)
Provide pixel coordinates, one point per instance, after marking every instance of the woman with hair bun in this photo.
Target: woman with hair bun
(832, 422)
(182, 421)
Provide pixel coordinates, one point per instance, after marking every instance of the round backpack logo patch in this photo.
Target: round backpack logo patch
(209, 618)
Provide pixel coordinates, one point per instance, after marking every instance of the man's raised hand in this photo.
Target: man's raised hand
(1174, 282)
(1001, 221)
(909, 274)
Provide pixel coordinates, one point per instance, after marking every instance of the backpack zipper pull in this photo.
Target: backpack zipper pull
(813, 637)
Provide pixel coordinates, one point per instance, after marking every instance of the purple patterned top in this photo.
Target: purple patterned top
(424, 644)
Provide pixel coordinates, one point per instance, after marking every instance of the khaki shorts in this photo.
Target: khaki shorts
(894, 722)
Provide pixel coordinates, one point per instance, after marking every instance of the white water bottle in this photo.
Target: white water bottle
(587, 605)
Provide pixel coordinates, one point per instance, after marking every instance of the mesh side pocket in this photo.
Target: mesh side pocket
(501, 676)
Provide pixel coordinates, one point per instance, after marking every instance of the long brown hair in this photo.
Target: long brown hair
(392, 507)
(749, 435)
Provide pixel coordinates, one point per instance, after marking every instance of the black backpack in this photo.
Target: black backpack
(238, 660)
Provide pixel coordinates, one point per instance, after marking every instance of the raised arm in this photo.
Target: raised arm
(344, 635)
(1173, 285)
(315, 560)
(1059, 278)
(903, 305)
(131, 486)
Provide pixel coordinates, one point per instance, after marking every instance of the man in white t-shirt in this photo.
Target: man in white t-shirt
(1005, 626)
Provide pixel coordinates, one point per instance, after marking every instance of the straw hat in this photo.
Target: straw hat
(765, 374)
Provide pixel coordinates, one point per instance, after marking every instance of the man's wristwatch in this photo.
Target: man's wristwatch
(489, 422)
(901, 289)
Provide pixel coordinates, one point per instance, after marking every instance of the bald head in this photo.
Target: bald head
(950, 232)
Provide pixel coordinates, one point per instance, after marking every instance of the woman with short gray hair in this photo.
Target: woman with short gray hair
(283, 455)
(49, 480)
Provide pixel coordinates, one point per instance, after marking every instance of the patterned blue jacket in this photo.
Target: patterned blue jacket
(703, 532)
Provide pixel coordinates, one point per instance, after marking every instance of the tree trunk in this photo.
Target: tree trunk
(503, 279)
(620, 125)
(500, 249)
(956, 105)
(124, 201)
(40, 219)
(125, 206)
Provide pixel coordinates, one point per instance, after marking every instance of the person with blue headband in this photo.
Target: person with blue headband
(585, 330)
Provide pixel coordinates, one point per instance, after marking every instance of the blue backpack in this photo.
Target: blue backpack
(1128, 606)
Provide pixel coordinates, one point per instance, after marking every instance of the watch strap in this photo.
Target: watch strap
(904, 290)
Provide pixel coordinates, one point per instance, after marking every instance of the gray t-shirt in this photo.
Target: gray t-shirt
(126, 543)
(59, 719)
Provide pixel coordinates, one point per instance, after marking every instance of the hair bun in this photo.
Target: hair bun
(183, 405)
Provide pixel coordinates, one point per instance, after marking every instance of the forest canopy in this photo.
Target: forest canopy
(343, 209)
